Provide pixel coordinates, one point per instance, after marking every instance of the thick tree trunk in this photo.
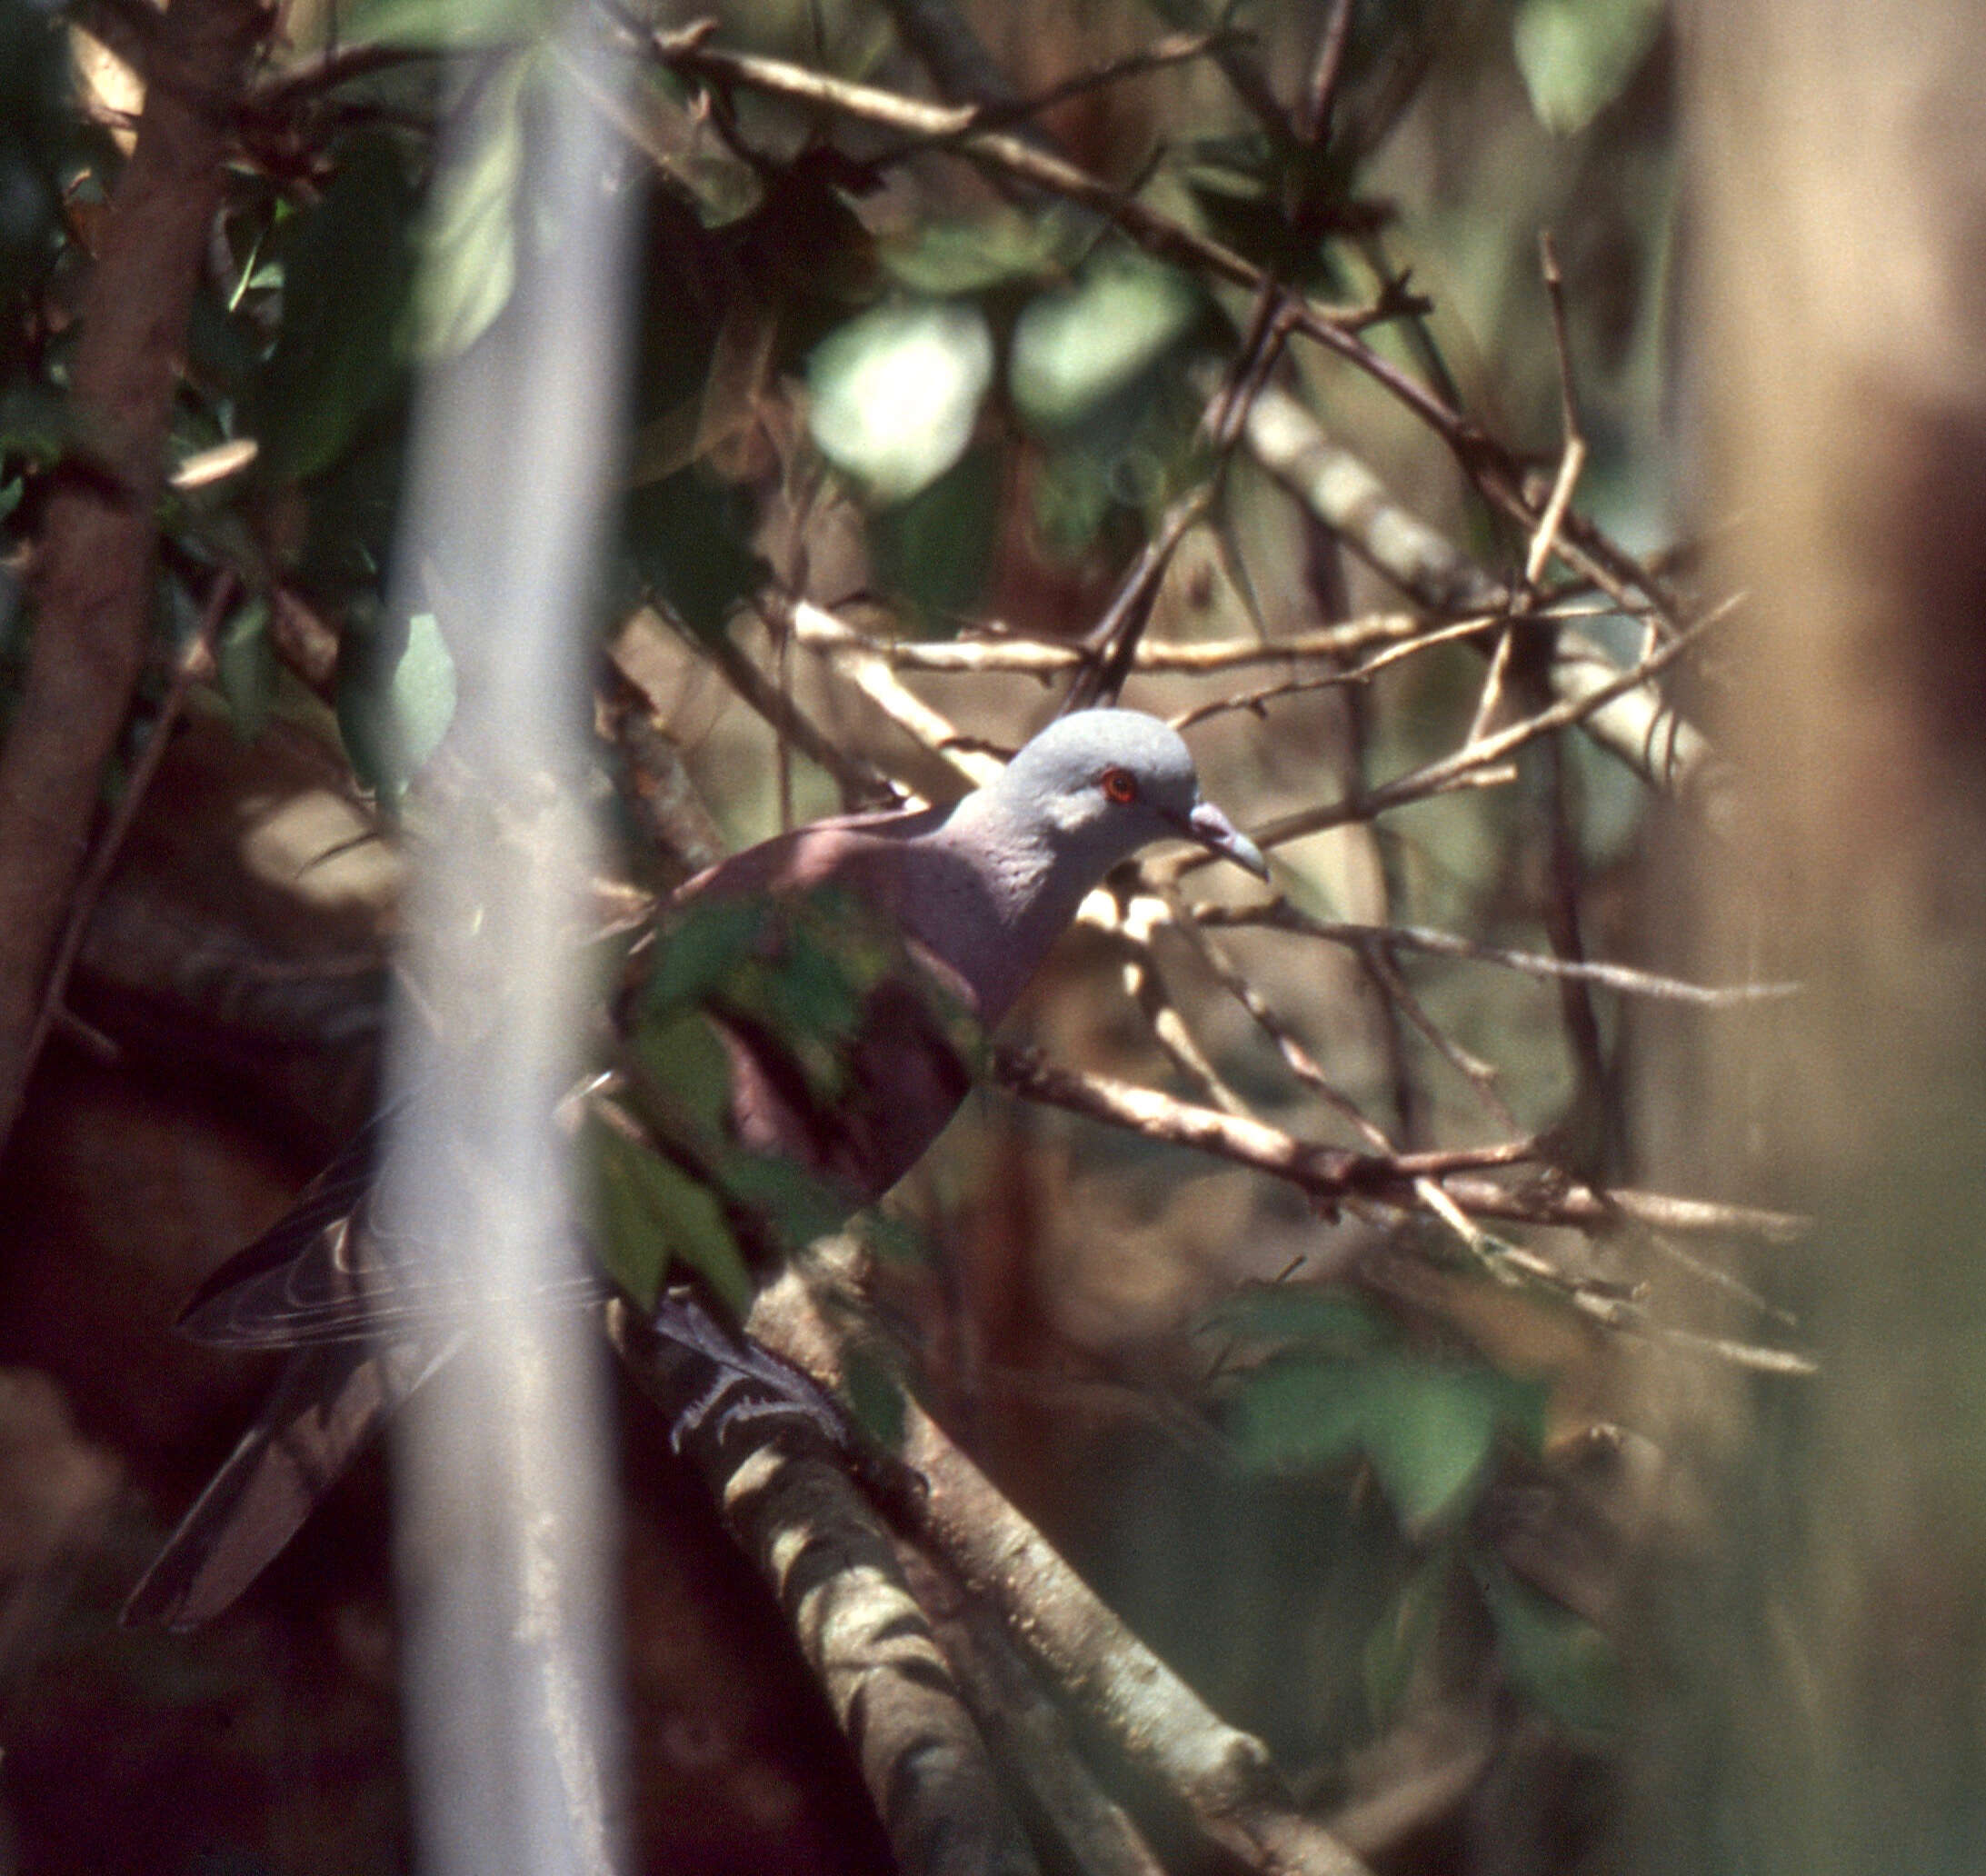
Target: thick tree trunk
(93, 572)
(1828, 1641)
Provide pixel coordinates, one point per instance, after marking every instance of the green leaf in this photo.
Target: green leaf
(1553, 1657)
(875, 1397)
(349, 276)
(1327, 1320)
(469, 267)
(685, 1062)
(946, 258)
(448, 25)
(698, 953)
(396, 697)
(690, 539)
(1577, 56)
(1397, 1643)
(247, 668)
(651, 1211)
(1429, 1435)
(1078, 347)
(1427, 1427)
(796, 1206)
(896, 392)
(936, 551)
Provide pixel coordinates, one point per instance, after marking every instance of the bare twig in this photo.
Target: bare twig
(295, 83)
(1173, 49)
(823, 631)
(1353, 674)
(1281, 914)
(1638, 728)
(1320, 94)
(1146, 988)
(862, 663)
(1437, 776)
(1334, 1173)
(1480, 1075)
(861, 783)
(1114, 642)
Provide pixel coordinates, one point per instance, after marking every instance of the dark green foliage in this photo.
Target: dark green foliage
(688, 537)
(1552, 1656)
(795, 975)
(245, 667)
(1429, 1428)
(348, 271)
(36, 133)
(933, 552)
(396, 695)
(1342, 1380)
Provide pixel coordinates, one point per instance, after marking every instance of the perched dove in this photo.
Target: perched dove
(972, 894)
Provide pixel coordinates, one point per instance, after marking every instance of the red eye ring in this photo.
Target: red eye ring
(1120, 786)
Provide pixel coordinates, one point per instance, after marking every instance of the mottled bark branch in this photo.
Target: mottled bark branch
(828, 1558)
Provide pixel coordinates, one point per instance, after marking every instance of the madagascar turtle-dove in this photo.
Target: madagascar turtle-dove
(974, 894)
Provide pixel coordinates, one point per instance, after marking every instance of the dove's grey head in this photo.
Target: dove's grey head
(1102, 784)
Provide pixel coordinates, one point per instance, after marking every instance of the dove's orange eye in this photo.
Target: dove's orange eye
(1121, 786)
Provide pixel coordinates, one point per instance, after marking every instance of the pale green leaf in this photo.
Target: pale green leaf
(1577, 56)
(469, 269)
(1077, 347)
(896, 392)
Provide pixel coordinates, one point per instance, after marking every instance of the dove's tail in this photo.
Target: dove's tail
(327, 1406)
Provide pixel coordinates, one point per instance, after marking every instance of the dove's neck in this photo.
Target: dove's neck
(997, 887)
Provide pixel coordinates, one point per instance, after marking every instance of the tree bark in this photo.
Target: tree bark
(94, 568)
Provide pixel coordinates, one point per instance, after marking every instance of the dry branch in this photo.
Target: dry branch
(1334, 1173)
(1637, 725)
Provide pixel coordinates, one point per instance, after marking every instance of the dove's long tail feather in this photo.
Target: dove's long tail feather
(328, 1404)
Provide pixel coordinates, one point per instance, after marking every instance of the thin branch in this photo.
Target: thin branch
(1320, 94)
(1437, 776)
(861, 783)
(823, 631)
(1173, 49)
(293, 84)
(1281, 914)
(863, 663)
(1482, 1076)
(1112, 643)
(951, 127)
(1639, 728)
(1306, 1069)
(1336, 1172)
(1146, 987)
(1561, 338)
(1255, 699)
